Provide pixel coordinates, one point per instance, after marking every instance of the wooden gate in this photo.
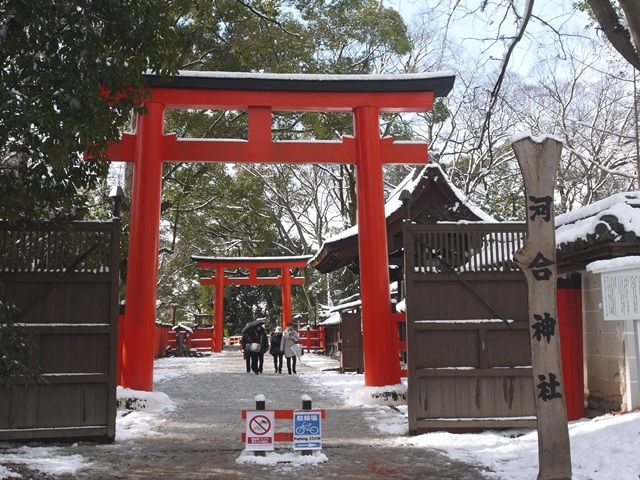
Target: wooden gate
(469, 361)
(63, 278)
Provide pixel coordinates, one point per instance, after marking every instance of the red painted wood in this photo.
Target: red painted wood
(381, 365)
(119, 351)
(149, 148)
(243, 281)
(312, 339)
(570, 328)
(277, 437)
(250, 265)
(218, 309)
(286, 297)
(293, 101)
(266, 151)
(142, 268)
(161, 341)
(285, 414)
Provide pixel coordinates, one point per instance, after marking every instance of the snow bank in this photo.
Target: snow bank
(46, 460)
(140, 413)
(286, 459)
(386, 395)
(128, 399)
(604, 448)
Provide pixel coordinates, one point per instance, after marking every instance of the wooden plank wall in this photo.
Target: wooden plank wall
(70, 307)
(467, 369)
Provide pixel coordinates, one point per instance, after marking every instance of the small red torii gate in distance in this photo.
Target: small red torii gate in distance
(365, 96)
(253, 264)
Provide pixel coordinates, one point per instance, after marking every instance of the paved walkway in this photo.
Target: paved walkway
(200, 438)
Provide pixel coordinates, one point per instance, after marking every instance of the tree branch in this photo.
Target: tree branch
(503, 70)
(617, 34)
(267, 18)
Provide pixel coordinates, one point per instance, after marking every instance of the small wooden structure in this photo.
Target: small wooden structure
(433, 199)
(64, 279)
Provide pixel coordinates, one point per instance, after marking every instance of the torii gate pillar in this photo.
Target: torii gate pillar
(142, 268)
(377, 330)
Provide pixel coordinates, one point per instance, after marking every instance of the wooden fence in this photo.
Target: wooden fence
(63, 278)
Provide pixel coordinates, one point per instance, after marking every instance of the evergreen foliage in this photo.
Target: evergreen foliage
(59, 62)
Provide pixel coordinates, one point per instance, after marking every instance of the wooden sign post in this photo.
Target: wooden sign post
(538, 159)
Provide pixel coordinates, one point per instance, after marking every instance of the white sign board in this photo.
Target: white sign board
(307, 430)
(621, 295)
(259, 430)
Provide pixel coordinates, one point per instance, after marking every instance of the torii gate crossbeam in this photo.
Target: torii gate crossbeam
(261, 94)
(253, 264)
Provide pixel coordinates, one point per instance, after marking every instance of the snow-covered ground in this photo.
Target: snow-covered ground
(605, 448)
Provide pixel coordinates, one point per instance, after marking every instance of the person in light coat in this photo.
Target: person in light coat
(289, 338)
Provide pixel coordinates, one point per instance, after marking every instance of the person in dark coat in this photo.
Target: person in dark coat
(260, 338)
(274, 349)
(245, 344)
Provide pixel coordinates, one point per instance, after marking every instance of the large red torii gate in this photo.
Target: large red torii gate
(366, 96)
(253, 264)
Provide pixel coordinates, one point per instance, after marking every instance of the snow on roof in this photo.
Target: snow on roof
(293, 258)
(614, 264)
(333, 319)
(394, 204)
(579, 223)
(346, 306)
(311, 76)
(464, 200)
(183, 327)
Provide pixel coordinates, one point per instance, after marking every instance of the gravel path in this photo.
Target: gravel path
(200, 438)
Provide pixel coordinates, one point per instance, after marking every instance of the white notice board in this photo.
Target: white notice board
(259, 430)
(621, 295)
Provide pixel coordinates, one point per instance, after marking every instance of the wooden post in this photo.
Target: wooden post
(538, 159)
(306, 405)
(261, 404)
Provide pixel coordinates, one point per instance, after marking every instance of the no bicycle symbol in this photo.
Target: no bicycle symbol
(259, 430)
(260, 425)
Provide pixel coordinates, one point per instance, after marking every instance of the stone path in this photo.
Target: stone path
(200, 438)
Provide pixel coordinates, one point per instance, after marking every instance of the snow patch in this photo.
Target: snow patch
(537, 139)
(129, 399)
(6, 473)
(46, 460)
(285, 459)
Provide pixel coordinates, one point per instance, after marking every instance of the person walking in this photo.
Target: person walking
(274, 349)
(289, 338)
(259, 344)
(245, 344)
